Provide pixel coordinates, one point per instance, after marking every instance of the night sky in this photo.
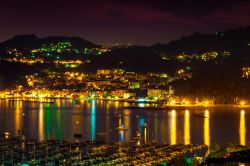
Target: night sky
(121, 21)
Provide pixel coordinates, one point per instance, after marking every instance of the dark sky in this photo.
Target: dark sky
(121, 21)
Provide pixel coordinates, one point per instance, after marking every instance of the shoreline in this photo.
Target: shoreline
(164, 106)
(181, 107)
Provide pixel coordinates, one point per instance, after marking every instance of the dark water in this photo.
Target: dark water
(95, 120)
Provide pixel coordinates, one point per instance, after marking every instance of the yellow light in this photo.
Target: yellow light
(187, 128)
(181, 71)
(18, 115)
(242, 128)
(145, 134)
(41, 96)
(33, 94)
(242, 103)
(187, 102)
(172, 102)
(127, 123)
(7, 135)
(41, 123)
(206, 103)
(206, 129)
(173, 128)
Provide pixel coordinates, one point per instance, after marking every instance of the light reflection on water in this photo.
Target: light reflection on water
(18, 116)
(242, 129)
(93, 120)
(187, 128)
(41, 123)
(173, 127)
(206, 128)
(59, 121)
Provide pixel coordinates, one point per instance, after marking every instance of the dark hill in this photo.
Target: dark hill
(235, 40)
(32, 41)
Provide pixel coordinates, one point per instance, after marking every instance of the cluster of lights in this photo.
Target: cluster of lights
(66, 46)
(246, 72)
(15, 52)
(188, 102)
(206, 56)
(53, 47)
(53, 53)
(74, 76)
(31, 80)
(243, 103)
(25, 60)
(184, 73)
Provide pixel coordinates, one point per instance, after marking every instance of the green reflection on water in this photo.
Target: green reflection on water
(93, 120)
(52, 123)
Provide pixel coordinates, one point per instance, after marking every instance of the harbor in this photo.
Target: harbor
(55, 152)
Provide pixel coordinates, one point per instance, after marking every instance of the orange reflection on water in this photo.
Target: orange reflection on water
(116, 104)
(18, 116)
(127, 123)
(155, 132)
(41, 123)
(173, 128)
(187, 128)
(242, 128)
(206, 129)
(145, 135)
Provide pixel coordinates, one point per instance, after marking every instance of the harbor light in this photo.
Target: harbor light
(142, 100)
(186, 102)
(172, 102)
(6, 135)
(242, 103)
(207, 103)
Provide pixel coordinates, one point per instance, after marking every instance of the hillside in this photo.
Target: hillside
(193, 50)
(208, 66)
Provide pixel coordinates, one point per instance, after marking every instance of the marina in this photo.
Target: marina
(54, 152)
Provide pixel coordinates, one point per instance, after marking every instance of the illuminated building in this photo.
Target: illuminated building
(129, 95)
(119, 93)
(117, 72)
(246, 72)
(164, 75)
(160, 93)
(209, 55)
(97, 83)
(134, 85)
(110, 72)
(104, 72)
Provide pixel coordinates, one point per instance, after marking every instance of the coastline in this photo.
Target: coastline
(157, 105)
